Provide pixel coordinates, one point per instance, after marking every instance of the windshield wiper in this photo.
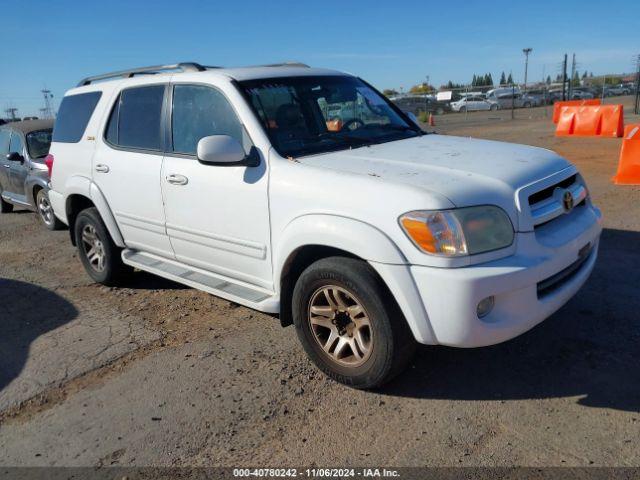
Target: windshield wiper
(352, 141)
(401, 128)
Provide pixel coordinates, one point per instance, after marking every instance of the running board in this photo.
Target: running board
(242, 293)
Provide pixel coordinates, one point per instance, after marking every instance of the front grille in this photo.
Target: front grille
(554, 282)
(547, 204)
(545, 193)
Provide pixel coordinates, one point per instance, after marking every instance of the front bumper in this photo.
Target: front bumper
(520, 284)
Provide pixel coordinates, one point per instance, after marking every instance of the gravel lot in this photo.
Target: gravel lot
(158, 374)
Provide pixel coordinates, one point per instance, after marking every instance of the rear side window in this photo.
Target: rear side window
(73, 116)
(38, 143)
(5, 137)
(135, 121)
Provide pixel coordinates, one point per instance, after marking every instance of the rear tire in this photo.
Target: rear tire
(45, 211)
(349, 324)
(98, 254)
(5, 207)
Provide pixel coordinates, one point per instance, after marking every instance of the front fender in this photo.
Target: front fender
(364, 241)
(354, 236)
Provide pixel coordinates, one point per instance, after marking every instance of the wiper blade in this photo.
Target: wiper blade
(349, 140)
(402, 128)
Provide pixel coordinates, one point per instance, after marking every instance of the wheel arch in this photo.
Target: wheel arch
(310, 238)
(82, 194)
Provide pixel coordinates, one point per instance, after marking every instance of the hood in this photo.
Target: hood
(466, 171)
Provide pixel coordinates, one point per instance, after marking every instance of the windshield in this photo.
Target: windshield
(38, 143)
(307, 115)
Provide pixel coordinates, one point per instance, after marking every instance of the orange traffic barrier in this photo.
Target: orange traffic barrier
(572, 103)
(629, 166)
(588, 121)
(432, 121)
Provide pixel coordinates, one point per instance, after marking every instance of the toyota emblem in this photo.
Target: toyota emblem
(567, 201)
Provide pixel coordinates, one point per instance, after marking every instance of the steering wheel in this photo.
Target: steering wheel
(353, 124)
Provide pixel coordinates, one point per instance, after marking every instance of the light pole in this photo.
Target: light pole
(526, 52)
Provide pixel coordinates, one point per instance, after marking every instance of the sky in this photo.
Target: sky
(54, 44)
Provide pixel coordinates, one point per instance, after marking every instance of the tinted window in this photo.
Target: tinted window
(198, 112)
(5, 136)
(73, 116)
(16, 143)
(38, 143)
(139, 117)
(112, 126)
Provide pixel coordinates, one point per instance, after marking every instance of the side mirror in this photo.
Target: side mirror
(15, 157)
(224, 150)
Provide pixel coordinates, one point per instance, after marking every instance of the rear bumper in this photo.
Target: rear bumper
(57, 202)
(527, 287)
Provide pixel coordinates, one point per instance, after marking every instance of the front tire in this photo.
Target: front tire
(98, 254)
(493, 108)
(45, 211)
(348, 323)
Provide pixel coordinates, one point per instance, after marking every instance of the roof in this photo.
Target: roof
(29, 125)
(235, 73)
(254, 73)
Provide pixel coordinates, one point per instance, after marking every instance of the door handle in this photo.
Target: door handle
(101, 168)
(175, 179)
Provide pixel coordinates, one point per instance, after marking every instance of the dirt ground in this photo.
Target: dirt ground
(158, 374)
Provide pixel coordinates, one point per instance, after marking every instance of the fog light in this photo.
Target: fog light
(485, 306)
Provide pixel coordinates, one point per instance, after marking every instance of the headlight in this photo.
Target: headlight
(458, 232)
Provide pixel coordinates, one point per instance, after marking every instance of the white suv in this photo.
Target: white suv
(366, 233)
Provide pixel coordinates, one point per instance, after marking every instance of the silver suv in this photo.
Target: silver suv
(24, 176)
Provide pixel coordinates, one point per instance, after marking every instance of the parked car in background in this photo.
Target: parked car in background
(473, 104)
(581, 94)
(416, 104)
(555, 95)
(369, 238)
(533, 98)
(24, 176)
(509, 98)
(619, 90)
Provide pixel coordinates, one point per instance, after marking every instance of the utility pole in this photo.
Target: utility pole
(564, 78)
(426, 98)
(637, 106)
(47, 110)
(526, 52)
(11, 113)
(573, 74)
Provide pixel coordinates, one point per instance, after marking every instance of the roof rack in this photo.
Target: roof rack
(184, 66)
(286, 64)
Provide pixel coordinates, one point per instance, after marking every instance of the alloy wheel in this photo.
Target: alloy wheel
(340, 325)
(44, 208)
(93, 248)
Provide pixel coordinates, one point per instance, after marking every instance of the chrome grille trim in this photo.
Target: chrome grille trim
(552, 207)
